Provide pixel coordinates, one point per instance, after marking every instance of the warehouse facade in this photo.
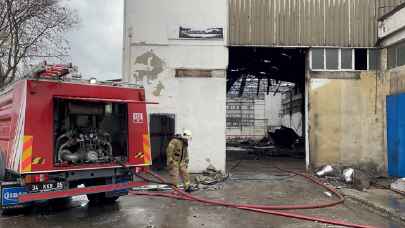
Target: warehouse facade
(195, 51)
(345, 87)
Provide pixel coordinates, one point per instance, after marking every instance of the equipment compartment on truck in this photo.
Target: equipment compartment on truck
(90, 132)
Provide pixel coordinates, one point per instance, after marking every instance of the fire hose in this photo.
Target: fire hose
(267, 209)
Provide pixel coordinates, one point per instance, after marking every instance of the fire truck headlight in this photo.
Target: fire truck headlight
(93, 80)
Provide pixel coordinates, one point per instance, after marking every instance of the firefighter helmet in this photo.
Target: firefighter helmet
(187, 133)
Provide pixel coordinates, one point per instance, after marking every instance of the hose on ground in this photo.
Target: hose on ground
(130, 171)
(272, 207)
(272, 212)
(267, 209)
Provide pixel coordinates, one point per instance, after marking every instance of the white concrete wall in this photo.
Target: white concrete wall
(392, 29)
(198, 103)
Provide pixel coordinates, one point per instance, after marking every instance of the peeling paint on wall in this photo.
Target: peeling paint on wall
(154, 57)
(149, 66)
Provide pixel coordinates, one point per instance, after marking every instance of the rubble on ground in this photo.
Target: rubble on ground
(153, 187)
(282, 141)
(358, 179)
(284, 136)
(361, 180)
(348, 175)
(398, 185)
(210, 176)
(207, 180)
(329, 171)
(240, 142)
(345, 176)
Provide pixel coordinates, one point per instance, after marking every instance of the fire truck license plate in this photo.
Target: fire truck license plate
(46, 187)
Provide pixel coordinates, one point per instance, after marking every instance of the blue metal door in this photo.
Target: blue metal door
(396, 135)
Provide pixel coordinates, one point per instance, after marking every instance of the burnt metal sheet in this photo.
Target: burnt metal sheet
(347, 23)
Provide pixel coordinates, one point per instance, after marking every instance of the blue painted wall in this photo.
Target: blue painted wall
(396, 135)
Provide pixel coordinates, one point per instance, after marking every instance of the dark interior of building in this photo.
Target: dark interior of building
(280, 64)
(162, 129)
(256, 72)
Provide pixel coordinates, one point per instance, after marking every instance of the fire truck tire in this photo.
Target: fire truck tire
(2, 167)
(100, 198)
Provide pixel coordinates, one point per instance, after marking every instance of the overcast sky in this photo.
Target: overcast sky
(96, 44)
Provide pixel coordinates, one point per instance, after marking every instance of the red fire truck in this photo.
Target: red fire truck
(59, 132)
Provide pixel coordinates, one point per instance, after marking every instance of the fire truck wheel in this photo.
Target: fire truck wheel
(100, 198)
(2, 167)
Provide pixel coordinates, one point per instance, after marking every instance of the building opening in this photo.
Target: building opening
(265, 117)
(162, 130)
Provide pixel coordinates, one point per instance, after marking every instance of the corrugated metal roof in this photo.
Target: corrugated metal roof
(350, 23)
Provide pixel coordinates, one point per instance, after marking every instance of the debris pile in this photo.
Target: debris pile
(327, 169)
(346, 176)
(359, 179)
(153, 187)
(210, 176)
(240, 142)
(399, 185)
(282, 141)
(208, 180)
(285, 137)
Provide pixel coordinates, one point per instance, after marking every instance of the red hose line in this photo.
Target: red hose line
(272, 212)
(268, 209)
(308, 218)
(271, 207)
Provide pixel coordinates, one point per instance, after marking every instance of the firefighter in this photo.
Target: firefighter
(177, 159)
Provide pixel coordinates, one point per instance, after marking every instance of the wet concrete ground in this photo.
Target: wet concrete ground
(250, 182)
(382, 200)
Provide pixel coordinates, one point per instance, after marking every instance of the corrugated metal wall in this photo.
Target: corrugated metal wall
(306, 22)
